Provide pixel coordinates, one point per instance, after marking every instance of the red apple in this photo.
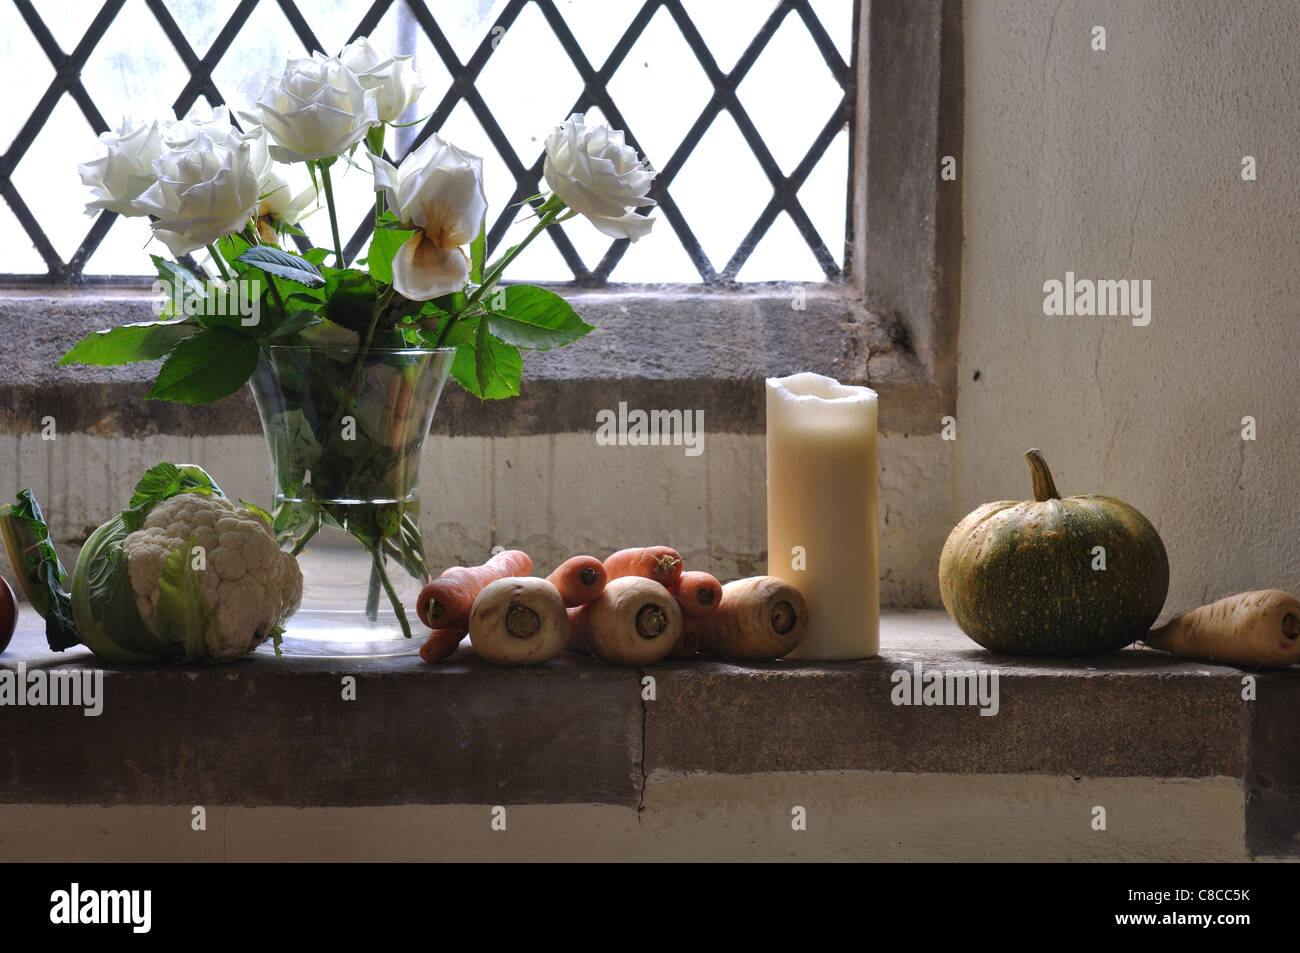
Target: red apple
(8, 614)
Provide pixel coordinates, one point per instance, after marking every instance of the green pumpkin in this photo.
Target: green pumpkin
(1025, 578)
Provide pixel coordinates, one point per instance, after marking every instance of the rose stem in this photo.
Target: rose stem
(375, 143)
(372, 595)
(329, 202)
(392, 593)
(221, 265)
(306, 537)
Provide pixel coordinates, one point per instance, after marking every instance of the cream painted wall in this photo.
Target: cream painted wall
(1126, 164)
(552, 495)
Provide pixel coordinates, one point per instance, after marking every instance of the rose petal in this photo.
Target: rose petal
(422, 270)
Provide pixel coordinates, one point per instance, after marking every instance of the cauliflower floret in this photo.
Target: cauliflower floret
(247, 581)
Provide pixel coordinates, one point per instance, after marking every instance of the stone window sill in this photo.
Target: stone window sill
(653, 349)
(263, 732)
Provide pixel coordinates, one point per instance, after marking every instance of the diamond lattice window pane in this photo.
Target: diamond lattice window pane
(529, 84)
(200, 21)
(332, 22)
(789, 109)
(660, 89)
(398, 33)
(822, 195)
(721, 190)
(782, 255)
(729, 27)
(656, 258)
(127, 245)
(47, 178)
(540, 261)
(19, 49)
(265, 43)
(67, 22)
(466, 25)
(134, 70)
(836, 17)
(597, 25)
(21, 256)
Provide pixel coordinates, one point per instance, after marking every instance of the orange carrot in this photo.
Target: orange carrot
(663, 564)
(698, 593)
(689, 644)
(448, 600)
(443, 642)
(580, 580)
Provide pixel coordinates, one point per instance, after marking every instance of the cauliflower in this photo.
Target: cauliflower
(248, 583)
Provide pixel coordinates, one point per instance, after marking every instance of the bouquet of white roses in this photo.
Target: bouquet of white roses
(238, 193)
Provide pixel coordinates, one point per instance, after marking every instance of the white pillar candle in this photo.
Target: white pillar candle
(821, 510)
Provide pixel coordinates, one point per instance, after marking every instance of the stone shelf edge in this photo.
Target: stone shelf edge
(262, 732)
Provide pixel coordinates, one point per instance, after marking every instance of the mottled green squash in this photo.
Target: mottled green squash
(1020, 578)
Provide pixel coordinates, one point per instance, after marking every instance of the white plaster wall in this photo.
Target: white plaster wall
(552, 495)
(1126, 164)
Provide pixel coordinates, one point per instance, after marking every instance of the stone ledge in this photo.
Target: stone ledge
(276, 733)
(698, 350)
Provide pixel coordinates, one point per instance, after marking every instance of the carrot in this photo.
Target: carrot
(443, 642)
(635, 621)
(663, 564)
(580, 580)
(758, 619)
(448, 599)
(688, 646)
(1259, 629)
(518, 621)
(698, 593)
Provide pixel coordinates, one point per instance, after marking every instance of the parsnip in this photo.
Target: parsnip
(518, 621)
(636, 621)
(759, 619)
(1259, 629)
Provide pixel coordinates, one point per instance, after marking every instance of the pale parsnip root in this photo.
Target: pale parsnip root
(518, 621)
(759, 619)
(1259, 629)
(636, 621)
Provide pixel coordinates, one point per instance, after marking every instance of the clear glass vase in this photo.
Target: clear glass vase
(346, 430)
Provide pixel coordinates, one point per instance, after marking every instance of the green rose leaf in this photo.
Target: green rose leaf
(146, 341)
(534, 318)
(232, 247)
(284, 265)
(383, 247)
(294, 323)
(176, 276)
(477, 253)
(206, 366)
(489, 369)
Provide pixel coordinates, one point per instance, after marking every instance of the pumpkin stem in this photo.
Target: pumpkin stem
(1044, 485)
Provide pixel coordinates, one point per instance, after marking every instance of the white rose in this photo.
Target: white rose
(288, 196)
(181, 133)
(286, 192)
(204, 191)
(394, 80)
(317, 110)
(595, 173)
(126, 171)
(438, 190)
